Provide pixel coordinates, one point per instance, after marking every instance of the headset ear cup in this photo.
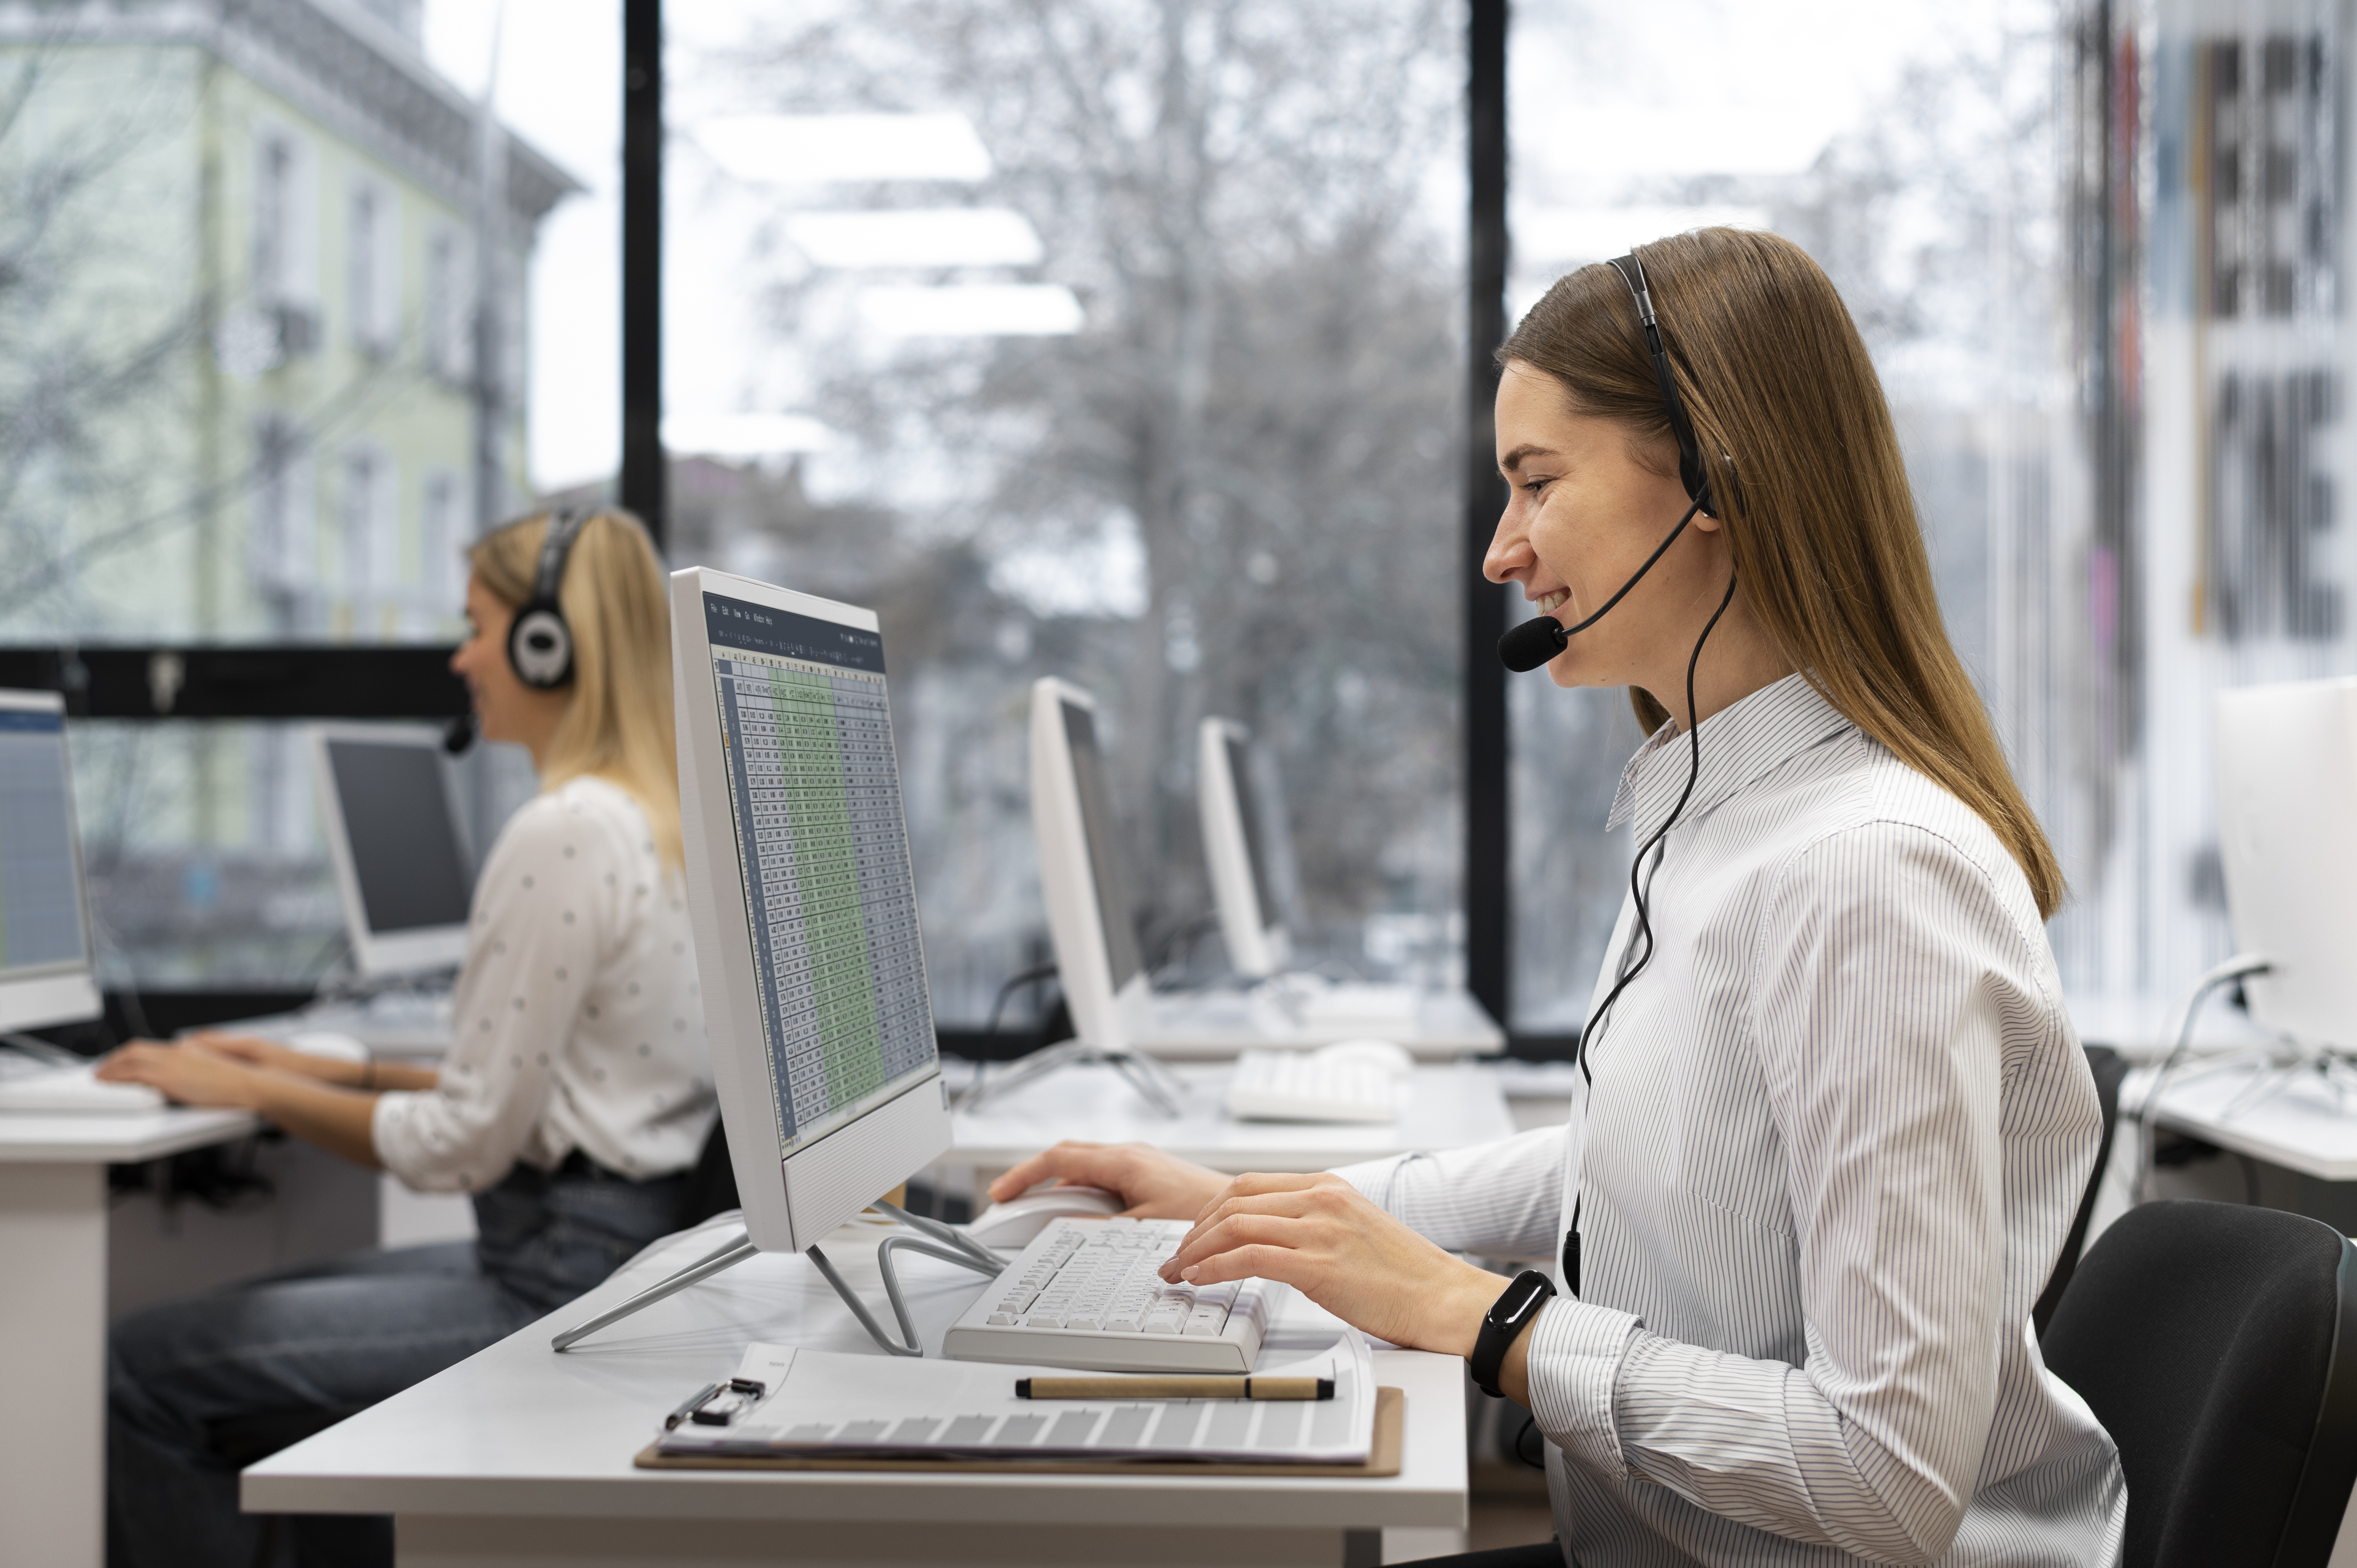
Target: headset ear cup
(540, 647)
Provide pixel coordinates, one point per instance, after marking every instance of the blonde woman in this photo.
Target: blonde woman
(1835, 1122)
(574, 1094)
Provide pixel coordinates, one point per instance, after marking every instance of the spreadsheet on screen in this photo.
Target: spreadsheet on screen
(822, 850)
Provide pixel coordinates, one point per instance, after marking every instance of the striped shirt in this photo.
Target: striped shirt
(1838, 1133)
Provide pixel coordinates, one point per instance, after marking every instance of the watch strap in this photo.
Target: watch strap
(1507, 1318)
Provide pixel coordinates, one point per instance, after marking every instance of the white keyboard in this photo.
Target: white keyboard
(73, 1092)
(1292, 1086)
(1085, 1293)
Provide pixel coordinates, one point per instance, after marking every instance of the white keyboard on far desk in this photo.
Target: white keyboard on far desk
(1289, 1086)
(1085, 1293)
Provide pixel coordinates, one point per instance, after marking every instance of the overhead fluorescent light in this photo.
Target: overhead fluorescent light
(744, 437)
(973, 310)
(1561, 235)
(921, 237)
(796, 149)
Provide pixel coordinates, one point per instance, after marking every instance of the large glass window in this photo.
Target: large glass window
(236, 411)
(1920, 153)
(1119, 341)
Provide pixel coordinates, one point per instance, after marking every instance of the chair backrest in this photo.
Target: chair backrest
(2110, 1069)
(2217, 1343)
(712, 1185)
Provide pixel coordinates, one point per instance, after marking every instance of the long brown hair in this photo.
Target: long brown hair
(617, 727)
(1804, 464)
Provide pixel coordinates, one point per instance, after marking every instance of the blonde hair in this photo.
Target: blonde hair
(1804, 462)
(617, 727)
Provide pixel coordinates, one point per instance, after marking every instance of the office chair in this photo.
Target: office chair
(2217, 1344)
(2111, 1070)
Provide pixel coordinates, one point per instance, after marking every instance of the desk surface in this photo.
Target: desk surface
(41, 1138)
(519, 1430)
(1446, 1108)
(2301, 1124)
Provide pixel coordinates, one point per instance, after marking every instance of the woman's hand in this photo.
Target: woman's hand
(1320, 1235)
(185, 1073)
(253, 1051)
(1154, 1184)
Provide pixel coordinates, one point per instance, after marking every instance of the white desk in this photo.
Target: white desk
(2301, 1126)
(53, 1208)
(520, 1457)
(1446, 1108)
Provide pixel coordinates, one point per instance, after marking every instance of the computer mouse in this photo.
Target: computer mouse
(1380, 1054)
(1016, 1221)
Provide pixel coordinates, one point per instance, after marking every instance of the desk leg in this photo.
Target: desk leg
(52, 1365)
(458, 1541)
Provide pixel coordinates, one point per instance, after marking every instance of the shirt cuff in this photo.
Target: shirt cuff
(1574, 1362)
(386, 1126)
(1375, 1179)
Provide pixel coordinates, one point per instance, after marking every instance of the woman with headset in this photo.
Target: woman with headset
(1833, 1123)
(575, 1095)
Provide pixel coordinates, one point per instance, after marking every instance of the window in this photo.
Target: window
(1097, 351)
(372, 268)
(286, 240)
(368, 510)
(200, 470)
(449, 323)
(443, 537)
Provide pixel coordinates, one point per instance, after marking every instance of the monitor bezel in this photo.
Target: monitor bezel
(1101, 1016)
(55, 994)
(792, 1200)
(1259, 943)
(420, 949)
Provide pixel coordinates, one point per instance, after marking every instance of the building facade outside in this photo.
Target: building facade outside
(267, 376)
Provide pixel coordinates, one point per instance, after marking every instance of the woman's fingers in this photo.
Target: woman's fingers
(1048, 1164)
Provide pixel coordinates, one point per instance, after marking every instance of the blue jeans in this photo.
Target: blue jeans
(200, 1388)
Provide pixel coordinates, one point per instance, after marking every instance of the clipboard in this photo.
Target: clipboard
(1383, 1459)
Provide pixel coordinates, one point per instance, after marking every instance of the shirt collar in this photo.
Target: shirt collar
(1739, 743)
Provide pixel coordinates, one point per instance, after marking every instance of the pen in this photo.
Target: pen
(1134, 1387)
(683, 1412)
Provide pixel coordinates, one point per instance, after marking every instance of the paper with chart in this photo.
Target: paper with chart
(819, 1403)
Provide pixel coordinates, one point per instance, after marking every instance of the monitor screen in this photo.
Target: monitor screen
(822, 853)
(406, 853)
(42, 924)
(1249, 808)
(1107, 868)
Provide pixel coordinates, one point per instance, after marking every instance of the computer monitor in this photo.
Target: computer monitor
(2288, 838)
(1248, 845)
(46, 974)
(402, 870)
(1083, 876)
(803, 904)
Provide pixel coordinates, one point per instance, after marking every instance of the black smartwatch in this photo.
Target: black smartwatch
(1508, 1316)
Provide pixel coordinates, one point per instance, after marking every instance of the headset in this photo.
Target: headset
(1535, 642)
(540, 644)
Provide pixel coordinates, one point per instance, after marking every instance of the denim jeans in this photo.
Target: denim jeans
(197, 1389)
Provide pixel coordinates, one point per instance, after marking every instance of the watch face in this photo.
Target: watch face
(1522, 1298)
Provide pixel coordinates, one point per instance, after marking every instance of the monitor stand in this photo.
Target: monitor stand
(947, 1243)
(1156, 1084)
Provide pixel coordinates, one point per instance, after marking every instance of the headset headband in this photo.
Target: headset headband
(1690, 473)
(563, 528)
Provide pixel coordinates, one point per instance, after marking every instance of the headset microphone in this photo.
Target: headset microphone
(458, 735)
